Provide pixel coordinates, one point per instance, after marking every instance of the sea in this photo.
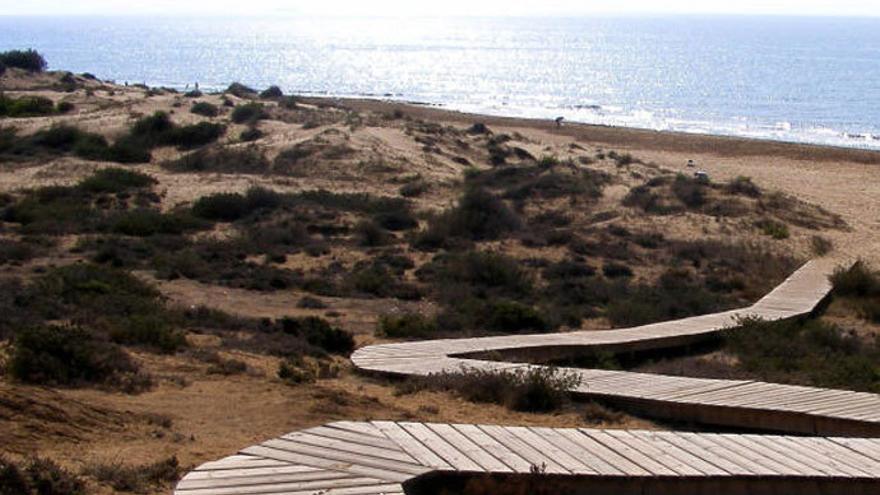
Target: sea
(798, 79)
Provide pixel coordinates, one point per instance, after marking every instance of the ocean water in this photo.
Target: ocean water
(814, 80)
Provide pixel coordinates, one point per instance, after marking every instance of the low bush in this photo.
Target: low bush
(743, 186)
(158, 130)
(26, 106)
(538, 389)
(250, 134)
(135, 478)
(240, 90)
(55, 355)
(229, 207)
(805, 352)
(691, 192)
(414, 189)
(320, 333)
(29, 60)
(271, 92)
(205, 109)
(248, 113)
(115, 180)
(479, 216)
(38, 477)
(772, 228)
(406, 326)
(145, 222)
(242, 160)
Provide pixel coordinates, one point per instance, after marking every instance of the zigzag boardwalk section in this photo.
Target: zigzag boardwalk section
(362, 458)
(729, 403)
(391, 458)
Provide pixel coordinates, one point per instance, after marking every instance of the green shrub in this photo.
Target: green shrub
(538, 389)
(774, 229)
(29, 60)
(194, 136)
(115, 180)
(54, 355)
(26, 106)
(856, 281)
(247, 160)
(821, 245)
(805, 352)
(513, 317)
(479, 216)
(135, 478)
(248, 113)
(409, 325)
(205, 109)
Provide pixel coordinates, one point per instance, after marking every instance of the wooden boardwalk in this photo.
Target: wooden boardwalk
(839, 456)
(373, 458)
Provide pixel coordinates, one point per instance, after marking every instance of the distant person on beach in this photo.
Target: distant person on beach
(559, 121)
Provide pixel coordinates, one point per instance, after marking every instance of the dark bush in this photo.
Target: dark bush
(272, 92)
(38, 477)
(64, 107)
(743, 186)
(308, 302)
(414, 189)
(689, 191)
(194, 136)
(240, 90)
(205, 109)
(616, 270)
(251, 134)
(226, 207)
(115, 180)
(144, 222)
(371, 234)
(856, 281)
(29, 60)
(54, 355)
(247, 160)
(479, 216)
(248, 113)
(319, 333)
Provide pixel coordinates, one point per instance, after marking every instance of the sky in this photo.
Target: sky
(443, 7)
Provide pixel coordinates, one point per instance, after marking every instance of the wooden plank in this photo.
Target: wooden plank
(634, 455)
(559, 455)
(339, 434)
(271, 484)
(590, 459)
(331, 464)
(537, 459)
(345, 456)
(472, 450)
(645, 446)
(707, 452)
(411, 445)
(305, 438)
(510, 459)
(440, 447)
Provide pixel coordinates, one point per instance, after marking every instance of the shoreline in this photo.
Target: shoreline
(623, 137)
